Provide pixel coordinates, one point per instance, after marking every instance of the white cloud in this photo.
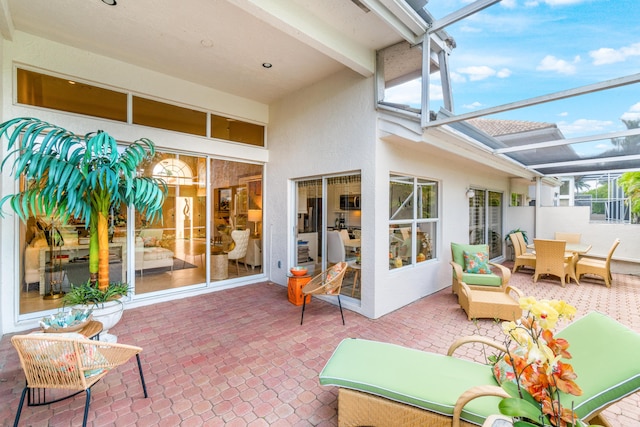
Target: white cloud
(509, 4)
(633, 113)
(531, 3)
(585, 126)
(477, 72)
(472, 106)
(562, 2)
(607, 55)
(435, 92)
(504, 73)
(563, 114)
(551, 63)
(407, 94)
(457, 77)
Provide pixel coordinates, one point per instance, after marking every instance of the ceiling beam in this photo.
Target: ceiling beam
(561, 142)
(460, 14)
(6, 21)
(298, 23)
(585, 162)
(596, 87)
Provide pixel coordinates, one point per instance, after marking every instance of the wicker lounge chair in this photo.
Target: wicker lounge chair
(483, 281)
(328, 282)
(522, 257)
(598, 267)
(387, 384)
(551, 259)
(479, 304)
(70, 362)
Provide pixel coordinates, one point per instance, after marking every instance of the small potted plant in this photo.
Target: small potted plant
(107, 305)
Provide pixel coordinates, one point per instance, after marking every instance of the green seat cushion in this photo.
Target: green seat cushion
(482, 279)
(605, 358)
(425, 380)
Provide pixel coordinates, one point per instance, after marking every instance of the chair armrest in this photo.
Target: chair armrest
(457, 268)
(472, 393)
(506, 273)
(518, 293)
(475, 339)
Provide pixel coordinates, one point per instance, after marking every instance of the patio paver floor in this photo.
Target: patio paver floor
(239, 357)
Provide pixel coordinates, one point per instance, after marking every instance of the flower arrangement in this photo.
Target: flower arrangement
(532, 370)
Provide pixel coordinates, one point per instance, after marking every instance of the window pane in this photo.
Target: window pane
(237, 131)
(400, 197)
(425, 243)
(427, 199)
(400, 245)
(166, 116)
(56, 93)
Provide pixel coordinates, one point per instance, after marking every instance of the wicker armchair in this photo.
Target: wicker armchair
(328, 282)
(522, 258)
(568, 237)
(598, 267)
(485, 282)
(551, 259)
(70, 362)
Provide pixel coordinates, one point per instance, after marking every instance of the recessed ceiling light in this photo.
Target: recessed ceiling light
(206, 43)
(267, 64)
(110, 2)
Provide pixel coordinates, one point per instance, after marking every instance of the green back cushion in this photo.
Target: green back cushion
(605, 358)
(426, 380)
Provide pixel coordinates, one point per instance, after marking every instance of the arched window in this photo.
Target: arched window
(174, 172)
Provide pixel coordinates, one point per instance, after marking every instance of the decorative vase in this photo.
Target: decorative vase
(109, 314)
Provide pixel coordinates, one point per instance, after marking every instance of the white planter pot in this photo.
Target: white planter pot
(109, 314)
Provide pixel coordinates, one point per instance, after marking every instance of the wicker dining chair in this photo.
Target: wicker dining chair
(551, 260)
(522, 257)
(69, 362)
(329, 282)
(597, 267)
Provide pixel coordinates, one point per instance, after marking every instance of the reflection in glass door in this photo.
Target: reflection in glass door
(328, 227)
(485, 220)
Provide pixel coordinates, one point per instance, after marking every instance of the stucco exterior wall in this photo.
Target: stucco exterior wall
(335, 123)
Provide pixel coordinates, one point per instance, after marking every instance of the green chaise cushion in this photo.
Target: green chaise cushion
(457, 255)
(426, 380)
(605, 358)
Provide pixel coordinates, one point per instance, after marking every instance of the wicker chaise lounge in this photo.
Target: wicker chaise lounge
(387, 384)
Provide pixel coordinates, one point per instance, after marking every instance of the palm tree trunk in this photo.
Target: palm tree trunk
(103, 239)
(94, 249)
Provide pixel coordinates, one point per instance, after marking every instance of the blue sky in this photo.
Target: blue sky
(518, 49)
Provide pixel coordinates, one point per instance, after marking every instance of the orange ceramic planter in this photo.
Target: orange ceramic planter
(295, 289)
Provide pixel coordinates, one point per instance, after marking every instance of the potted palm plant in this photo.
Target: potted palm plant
(67, 176)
